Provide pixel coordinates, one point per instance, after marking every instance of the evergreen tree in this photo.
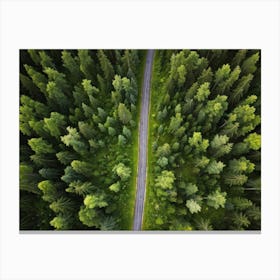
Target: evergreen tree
(55, 124)
(124, 114)
(216, 199)
(106, 67)
(86, 64)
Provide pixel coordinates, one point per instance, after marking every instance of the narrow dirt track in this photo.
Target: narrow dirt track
(143, 143)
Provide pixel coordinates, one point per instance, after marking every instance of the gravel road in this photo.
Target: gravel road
(143, 143)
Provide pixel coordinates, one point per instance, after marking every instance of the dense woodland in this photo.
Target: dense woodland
(205, 159)
(79, 114)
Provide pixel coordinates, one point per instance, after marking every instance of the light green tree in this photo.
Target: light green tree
(40, 146)
(124, 114)
(253, 140)
(81, 188)
(191, 188)
(55, 124)
(193, 206)
(216, 199)
(115, 187)
(203, 92)
(215, 167)
(124, 172)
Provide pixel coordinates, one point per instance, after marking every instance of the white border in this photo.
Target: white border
(153, 24)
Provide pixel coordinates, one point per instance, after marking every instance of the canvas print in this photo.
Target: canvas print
(140, 140)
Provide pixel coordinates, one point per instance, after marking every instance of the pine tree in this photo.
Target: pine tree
(62, 205)
(50, 173)
(239, 57)
(237, 180)
(40, 146)
(203, 92)
(66, 157)
(60, 222)
(240, 221)
(253, 140)
(241, 88)
(106, 67)
(249, 64)
(72, 65)
(74, 139)
(216, 199)
(35, 56)
(82, 167)
(115, 187)
(46, 60)
(86, 64)
(204, 224)
(241, 203)
(215, 167)
(124, 172)
(49, 190)
(28, 178)
(55, 124)
(38, 79)
(81, 188)
(124, 114)
(193, 206)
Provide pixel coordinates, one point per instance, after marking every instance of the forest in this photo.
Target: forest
(79, 118)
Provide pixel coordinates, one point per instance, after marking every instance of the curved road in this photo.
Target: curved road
(143, 143)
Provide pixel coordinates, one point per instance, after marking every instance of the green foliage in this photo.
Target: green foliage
(220, 145)
(203, 92)
(94, 201)
(216, 199)
(60, 222)
(124, 114)
(240, 221)
(73, 111)
(49, 190)
(40, 146)
(109, 223)
(207, 108)
(162, 162)
(81, 188)
(124, 172)
(121, 140)
(175, 122)
(204, 224)
(62, 205)
(199, 143)
(242, 165)
(215, 167)
(237, 180)
(82, 167)
(79, 111)
(249, 64)
(253, 140)
(241, 203)
(28, 178)
(74, 140)
(193, 206)
(163, 150)
(86, 64)
(191, 189)
(165, 180)
(55, 124)
(115, 187)
(88, 217)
